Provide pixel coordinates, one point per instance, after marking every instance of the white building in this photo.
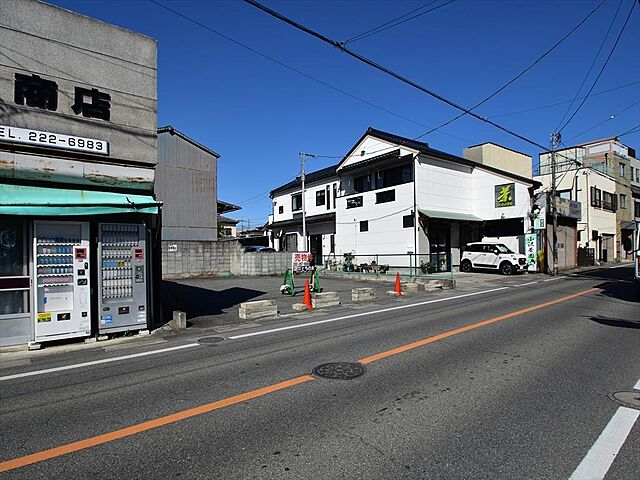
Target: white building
(285, 221)
(604, 176)
(397, 201)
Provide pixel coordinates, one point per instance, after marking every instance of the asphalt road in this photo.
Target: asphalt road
(509, 382)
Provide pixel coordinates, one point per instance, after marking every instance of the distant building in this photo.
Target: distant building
(604, 175)
(397, 201)
(227, 227)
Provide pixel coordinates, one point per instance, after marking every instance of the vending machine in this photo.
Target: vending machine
(62, 301)
(122, 278)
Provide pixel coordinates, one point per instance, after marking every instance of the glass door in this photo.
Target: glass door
(15, 282)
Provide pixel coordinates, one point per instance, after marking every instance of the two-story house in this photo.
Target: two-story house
(399, 202)
(285, 221)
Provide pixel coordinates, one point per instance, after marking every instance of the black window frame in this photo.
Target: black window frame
(364, 225)
(408, 221)
(293, 198)
(320, 198)
(596, 197)
(280, 210)
(386, 196)
(355, 202)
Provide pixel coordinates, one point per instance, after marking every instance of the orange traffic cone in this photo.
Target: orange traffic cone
(398, 288)
(307, 296)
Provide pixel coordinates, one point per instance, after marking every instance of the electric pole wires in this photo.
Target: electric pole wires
(390, 72)
(535, 62)
(584, 80)
(397, 21)
(604, 65)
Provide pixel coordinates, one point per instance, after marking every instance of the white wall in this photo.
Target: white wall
(284, 200)
(443, 186)
(385, 234)
(373, 147)
(593, 218)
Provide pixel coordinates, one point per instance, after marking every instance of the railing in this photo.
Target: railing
(435, 265)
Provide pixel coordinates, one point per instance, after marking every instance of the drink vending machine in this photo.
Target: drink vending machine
(122, 278)
(62, 302)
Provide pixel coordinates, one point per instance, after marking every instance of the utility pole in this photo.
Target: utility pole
(303, 157)
(555, 141)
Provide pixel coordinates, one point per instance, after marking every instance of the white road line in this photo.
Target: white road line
(364, 314)
(96, 362)
(630, 264)
(528, 283)
(601, 455)
(637, 386)
(552, 279)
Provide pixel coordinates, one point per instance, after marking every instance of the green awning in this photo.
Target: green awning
(27, 200)
(460, 217)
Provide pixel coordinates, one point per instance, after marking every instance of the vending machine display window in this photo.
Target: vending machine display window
(122, 278)
(62, 300)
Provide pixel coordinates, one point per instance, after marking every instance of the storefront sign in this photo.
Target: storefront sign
(568, 208)
(505, 195)
(531, 252)
(539, 219)
(301, 262)
(38, 92)
(55, 140)
(44, 317)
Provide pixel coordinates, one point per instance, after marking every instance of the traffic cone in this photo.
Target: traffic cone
(307, 296)
(398, 288)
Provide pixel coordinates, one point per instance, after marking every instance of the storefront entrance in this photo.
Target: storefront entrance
(15, 311)
(440, 246)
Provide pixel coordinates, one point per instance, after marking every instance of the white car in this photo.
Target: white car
(494, 256)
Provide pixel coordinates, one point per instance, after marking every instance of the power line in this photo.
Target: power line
(293, 69)
(605, 121)
(535, 62)
(631, 130)
(398, 21)
(551, 105)
(388, 71)
(606, 35)
(613, 48)
(357, 37)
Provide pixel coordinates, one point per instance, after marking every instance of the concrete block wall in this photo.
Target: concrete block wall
(222, 257)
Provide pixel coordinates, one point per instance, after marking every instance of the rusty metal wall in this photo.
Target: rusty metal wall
(186, 183)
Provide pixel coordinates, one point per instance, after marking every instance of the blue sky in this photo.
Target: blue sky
(258, 114)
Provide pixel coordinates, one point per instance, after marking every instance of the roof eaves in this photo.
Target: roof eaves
(172, 131)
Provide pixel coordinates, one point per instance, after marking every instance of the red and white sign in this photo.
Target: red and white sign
(301, 262)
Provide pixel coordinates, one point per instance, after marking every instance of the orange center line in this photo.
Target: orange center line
(472, 326)
(243, 397)
(151, 424)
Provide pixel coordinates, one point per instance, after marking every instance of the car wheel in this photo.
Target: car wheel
(465, 266)
(506, 268)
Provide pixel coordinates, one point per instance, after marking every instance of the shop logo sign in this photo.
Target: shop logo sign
(38, 92)
(505, 195)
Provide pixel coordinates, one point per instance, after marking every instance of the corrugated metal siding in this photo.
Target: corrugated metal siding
(186, 183)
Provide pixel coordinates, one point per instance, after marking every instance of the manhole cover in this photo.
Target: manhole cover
(339, 370)
(630, 399)
(210, 340)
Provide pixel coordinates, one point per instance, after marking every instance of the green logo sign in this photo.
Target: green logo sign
(505, 195)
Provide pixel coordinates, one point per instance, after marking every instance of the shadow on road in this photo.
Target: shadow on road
(198, 302)
(616, 322)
